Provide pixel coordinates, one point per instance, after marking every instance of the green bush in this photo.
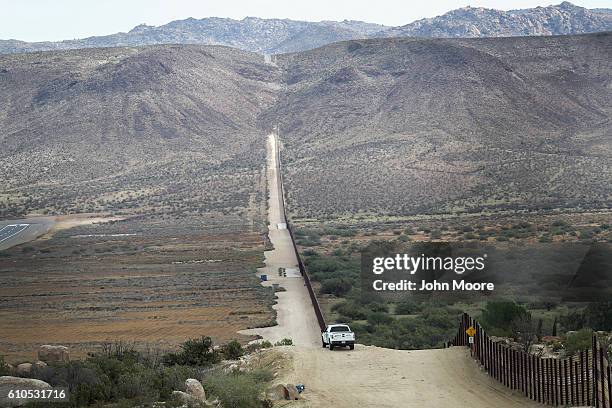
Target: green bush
(236, 390)
(194, 352)
(284, 342)
(378, 318)
(578, 341)
(350, 309)
(498, 316)
(233, 350)
(336, 286)
(596, 316)
(407, 307)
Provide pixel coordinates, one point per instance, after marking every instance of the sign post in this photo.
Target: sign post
(471, 331)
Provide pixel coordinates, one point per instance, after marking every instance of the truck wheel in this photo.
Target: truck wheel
(331, 346)
(323, 344)
(352, 347)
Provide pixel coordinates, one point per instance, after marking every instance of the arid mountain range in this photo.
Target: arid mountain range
(379, 126)
(273, 36)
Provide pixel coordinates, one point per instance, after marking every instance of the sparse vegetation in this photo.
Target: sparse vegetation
(122, 375)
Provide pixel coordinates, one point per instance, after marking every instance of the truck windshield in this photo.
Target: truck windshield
(340, 329)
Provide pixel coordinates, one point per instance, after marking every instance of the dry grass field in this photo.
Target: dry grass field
(153, 285)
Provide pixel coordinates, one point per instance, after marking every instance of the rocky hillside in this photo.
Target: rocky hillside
(161, 129)
(273, 36)
(405, 126)
(252, 34)
(379, 126)
(562, 19)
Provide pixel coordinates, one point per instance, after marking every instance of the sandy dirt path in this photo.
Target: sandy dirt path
(376, 377)
(295, 314)
(367, 376)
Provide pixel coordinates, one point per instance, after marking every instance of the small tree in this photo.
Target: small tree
(524, 330)
(498, 316)
(194, 352)
(233, 350)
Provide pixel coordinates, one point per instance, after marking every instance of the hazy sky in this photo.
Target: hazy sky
(39, 20)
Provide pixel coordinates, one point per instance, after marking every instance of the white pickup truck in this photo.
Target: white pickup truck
(338, 335)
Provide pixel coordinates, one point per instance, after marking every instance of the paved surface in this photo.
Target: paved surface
(295, 314)
(9, 231)
(377, 377)
(16, 232)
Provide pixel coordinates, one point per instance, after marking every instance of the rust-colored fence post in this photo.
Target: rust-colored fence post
(595, 376)
(566, 399)
(588, 382)
(573, 381)
(557, 382)
(583, 379)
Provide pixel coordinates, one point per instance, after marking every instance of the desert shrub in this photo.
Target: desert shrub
(310, 252)
(598, 316)
(376, 306)
(284, 342)
(194, 352)
(407, 333)
(236, 390)
(232, 350)
(336, 286)
(578, 341)
(497, 316)
(350, 310)
(377, 318)
(439, 318)
(407, 307)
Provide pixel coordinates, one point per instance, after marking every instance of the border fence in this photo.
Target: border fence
(580, 380)
(282, 199)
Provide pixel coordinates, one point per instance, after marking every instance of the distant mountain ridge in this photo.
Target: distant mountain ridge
(467, 22)
(254, 34)
(275, 36)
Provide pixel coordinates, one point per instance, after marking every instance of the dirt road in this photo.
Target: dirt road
(295, 314)
(368, 376)
(376, 377)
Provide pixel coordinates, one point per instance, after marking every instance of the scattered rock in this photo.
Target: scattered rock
(278, 392)
(293, 392)
(24, 369)
(12, 383)
(183, 397)
(40, 364)
(284, 392)
(195, 389)
(49, 353)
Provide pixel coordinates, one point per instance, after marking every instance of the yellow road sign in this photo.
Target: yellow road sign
(471, 331)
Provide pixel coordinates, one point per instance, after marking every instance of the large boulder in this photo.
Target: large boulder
(195, 389)
(8, 383)
(49, 353)
(188, 400)
(24, 369)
